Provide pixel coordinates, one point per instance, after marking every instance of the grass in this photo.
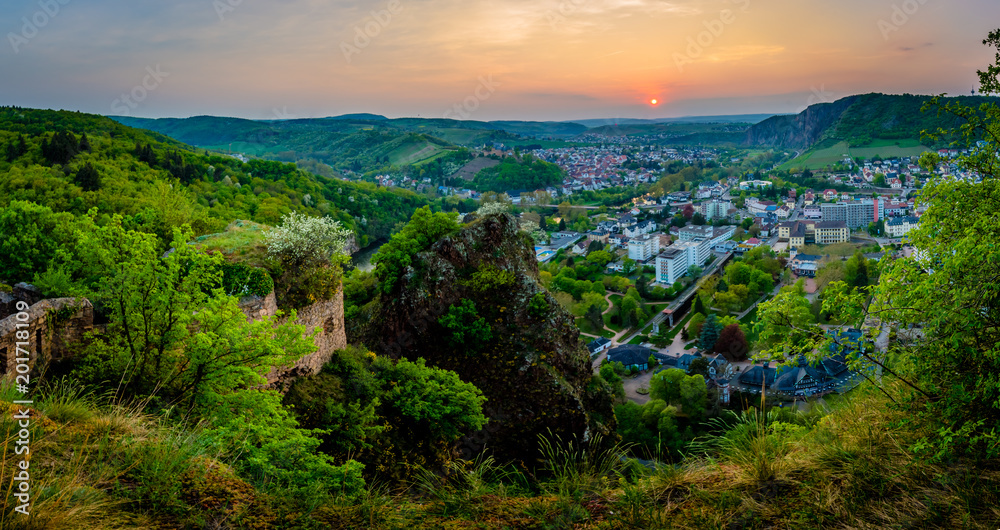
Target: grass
(241, 238)
(848, 467)
(586, 327)
(828, 156)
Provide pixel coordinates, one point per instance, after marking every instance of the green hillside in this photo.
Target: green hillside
(355, 144)
(71, 162)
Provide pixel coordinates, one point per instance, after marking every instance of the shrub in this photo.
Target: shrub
(242, 280)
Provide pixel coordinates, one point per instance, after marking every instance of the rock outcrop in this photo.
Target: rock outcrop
(801, 130)
(534, 371)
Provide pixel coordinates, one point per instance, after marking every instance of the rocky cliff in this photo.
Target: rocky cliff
(533, 367)
(798, 131)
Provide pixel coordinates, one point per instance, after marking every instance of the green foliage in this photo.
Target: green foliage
(612, 377)
(539, 307)
(169, 331)
(391, 415)
(32, 236)
(489, 277)
(423, 230)
(467, 328)
(709, 333)
(272, 449)
(526, 173)
(242, 280)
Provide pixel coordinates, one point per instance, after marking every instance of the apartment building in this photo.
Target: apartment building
(644, 247)
(856, 214)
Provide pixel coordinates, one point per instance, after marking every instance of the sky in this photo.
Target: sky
(483, 59)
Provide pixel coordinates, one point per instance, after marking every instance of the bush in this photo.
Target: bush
(242, 280)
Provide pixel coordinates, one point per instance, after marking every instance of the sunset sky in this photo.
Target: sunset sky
(515, 59)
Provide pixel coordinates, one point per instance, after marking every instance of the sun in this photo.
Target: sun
(653, 101)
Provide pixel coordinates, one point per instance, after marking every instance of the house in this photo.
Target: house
(633, 356)
(900, 226)
(599, 236)
(581, 247)
(598, 345)
(808, 198)
(798, 233)
(784, 212)
(618, 240)
(804, 265)
(829, 195)
(640, 228)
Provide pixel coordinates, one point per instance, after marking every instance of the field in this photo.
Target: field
(822, 156)
(469, 171)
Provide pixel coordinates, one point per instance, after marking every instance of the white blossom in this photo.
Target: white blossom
(303, 239)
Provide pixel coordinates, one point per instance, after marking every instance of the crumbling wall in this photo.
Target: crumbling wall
(326, 315)
(49, 327)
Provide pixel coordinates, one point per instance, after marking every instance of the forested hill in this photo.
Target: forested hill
(858, 120)
(356, 144)
(71, 162)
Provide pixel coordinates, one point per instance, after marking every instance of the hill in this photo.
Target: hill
(354, 143)
(861, 125)
(71, 162)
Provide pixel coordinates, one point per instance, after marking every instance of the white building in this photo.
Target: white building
(644, 247)
(675, 260)
(900, 226)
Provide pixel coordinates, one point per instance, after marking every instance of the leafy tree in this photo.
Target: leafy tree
(599, 257)
(709, 333)
(856, 270)
(698, 219)
(562, 225)
(628, 266)
(595, 317)
(732, 343)
(665, 385)
(31, 236)
(467, 328)
(699, 366)
(423, 230)
(610, 374)
(253, 429)
(170, 328)
(688, 212)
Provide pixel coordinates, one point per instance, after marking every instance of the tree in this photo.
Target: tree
(732, 343)
(693, 328)
(698, 219)
(698, 306)
(688, 212)
(879, 181)
(467, 328)
(856, 270)
(628, 266)
(699, 366)
(694, 271)
(87, 178)
(562, 225)
(665, 385)
(599, 257)
(171, 329)
(423, 230)
(31, 236)
(709, 333)
(609, 374)
(595, 317)
(303, 241)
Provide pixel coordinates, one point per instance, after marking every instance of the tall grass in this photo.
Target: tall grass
(575, 469)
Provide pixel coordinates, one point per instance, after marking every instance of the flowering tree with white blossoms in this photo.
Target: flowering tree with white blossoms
(302, 240)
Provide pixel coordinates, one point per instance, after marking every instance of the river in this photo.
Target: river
(362, 259)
